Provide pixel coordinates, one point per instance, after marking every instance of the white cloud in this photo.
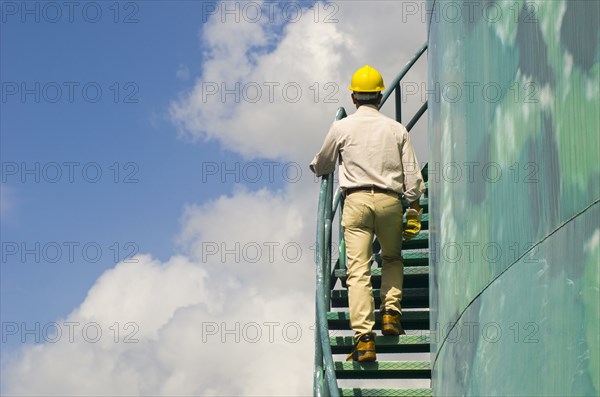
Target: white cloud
(172, 303)
(314, 59)
(201, 327)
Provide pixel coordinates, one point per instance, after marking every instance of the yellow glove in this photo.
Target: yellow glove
(413, 223)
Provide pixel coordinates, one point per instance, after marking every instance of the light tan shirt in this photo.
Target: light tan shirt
(374, 150)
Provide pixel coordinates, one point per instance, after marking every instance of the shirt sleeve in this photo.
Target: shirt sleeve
(414, 186)
(324, 161)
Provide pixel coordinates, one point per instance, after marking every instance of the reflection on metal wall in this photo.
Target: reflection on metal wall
(514, 179)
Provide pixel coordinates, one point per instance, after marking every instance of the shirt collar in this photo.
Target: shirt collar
(367, 108)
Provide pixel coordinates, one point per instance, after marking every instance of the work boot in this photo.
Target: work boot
(390, 323)
(364, 350)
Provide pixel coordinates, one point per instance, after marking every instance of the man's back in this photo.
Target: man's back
(375, 150)
(370, 147)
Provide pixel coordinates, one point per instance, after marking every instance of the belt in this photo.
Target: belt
(372, 189)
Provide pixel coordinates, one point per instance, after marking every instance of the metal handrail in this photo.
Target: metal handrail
(324, 374)
(395, 85)
(319, 373)
(416, 117)
(324, 378)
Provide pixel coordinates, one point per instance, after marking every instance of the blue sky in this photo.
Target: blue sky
(104, 133)
(151, 126)
(158, 171)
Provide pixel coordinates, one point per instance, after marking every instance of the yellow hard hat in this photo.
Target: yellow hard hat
(367, 79)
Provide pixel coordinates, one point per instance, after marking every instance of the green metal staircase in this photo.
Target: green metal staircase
(334, 339)
(415, 321)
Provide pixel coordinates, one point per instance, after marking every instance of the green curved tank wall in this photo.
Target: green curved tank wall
(514, 180)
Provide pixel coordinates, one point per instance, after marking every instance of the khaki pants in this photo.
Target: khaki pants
(367, 214)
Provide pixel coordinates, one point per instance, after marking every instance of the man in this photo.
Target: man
(378, 165)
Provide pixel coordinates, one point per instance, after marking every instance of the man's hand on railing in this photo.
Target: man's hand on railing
(413, 223)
